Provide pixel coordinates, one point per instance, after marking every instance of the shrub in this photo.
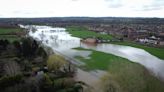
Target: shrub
(55, 62)
(7, 81)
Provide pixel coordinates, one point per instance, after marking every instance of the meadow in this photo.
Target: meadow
(83, 32)
(9, 33)
(9, 30)
(123, 75)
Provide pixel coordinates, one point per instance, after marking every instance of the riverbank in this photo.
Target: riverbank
(158, 52)
(129, 76)
(11, 34)
(99, 60)
(84, 33)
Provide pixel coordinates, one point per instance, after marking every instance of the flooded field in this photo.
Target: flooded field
(60, 40)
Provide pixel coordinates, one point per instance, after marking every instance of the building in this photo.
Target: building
(90, 40)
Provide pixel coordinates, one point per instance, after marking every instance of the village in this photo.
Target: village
(148, 35)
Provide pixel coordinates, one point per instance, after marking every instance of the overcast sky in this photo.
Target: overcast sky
(90, 8)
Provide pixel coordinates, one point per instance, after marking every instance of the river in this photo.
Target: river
(60, 40)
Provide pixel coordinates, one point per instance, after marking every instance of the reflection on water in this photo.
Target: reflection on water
(140, 56)
(63, 42)
(59, 40)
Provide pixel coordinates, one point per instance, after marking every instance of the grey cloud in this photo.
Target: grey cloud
(24, 12)
(158, 3)
(74, 0)
(155, 5)
(151, 8)
(15, 12)
(114, 3)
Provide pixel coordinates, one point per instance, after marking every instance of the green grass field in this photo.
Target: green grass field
(11, 38)
(129, 76)
(82, 32)
(158, 52)
(99, 60)
(9, 30)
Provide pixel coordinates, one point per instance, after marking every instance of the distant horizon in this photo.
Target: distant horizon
(78, 17)
(79, 8)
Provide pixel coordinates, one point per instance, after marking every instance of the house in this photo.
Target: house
(161, 43)
(161, 36)
(103, 32)
(145, 40)
(149, 40)
(153, 40)
(142, 33)
(132, 33)
(90, 40)
(126, 32)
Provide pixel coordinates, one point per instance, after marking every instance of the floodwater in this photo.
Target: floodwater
(60, 40)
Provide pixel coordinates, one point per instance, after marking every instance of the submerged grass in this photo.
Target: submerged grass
(99, 60)
(158, 52)
(126, 75)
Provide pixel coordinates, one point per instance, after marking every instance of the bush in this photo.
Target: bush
(55, 62)
(7, 81)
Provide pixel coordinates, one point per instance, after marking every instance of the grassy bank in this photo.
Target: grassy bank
(7, 33)
(99, 60)
(158, 52)
(82, 32)
(9, 30)
(11, 38)
(124, 75)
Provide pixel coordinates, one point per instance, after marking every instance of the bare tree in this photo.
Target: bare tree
(12, 68)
